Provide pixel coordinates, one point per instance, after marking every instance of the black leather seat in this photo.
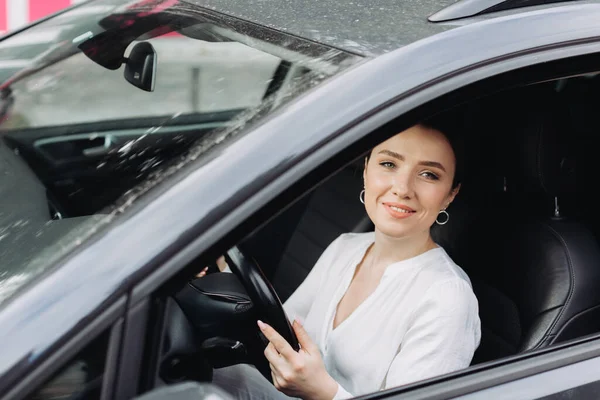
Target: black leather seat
(536, 274)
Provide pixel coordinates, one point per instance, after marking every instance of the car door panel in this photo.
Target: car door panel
(91, 165)
(576, 381)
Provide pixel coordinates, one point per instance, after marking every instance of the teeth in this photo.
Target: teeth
(399, 209)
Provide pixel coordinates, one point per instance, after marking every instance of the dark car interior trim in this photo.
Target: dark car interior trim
(112, 359)
(132, 351)
(67, 348)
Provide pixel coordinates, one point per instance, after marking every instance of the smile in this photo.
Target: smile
(398, 211)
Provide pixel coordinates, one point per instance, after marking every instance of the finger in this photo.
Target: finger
(275, 381)
(221, 263)
(275, 371)
(202, 273)
(281, 345)
(278, 381)
(305, 341)
(271, 353)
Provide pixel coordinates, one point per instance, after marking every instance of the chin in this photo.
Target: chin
(393, 231)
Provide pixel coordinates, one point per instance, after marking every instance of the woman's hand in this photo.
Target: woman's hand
(298, 374)
(221, 263)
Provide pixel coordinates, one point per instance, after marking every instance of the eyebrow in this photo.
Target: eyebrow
(433, 164)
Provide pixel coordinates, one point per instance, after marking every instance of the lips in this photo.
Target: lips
(398, 210)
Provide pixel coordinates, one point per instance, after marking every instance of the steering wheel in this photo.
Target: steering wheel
(266, 302)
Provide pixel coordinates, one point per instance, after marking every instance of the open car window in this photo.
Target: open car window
(121, 93)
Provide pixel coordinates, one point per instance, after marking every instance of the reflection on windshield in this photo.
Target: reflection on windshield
(82, 143)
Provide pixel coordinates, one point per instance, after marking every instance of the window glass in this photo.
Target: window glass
(81, 377)
(79, 132)
(192, 76)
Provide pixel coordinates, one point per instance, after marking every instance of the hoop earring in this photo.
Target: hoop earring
(361, 196)
(443, 222)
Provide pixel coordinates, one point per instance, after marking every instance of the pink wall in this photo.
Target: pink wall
(41, 8)
(3, 16)
(16, 13)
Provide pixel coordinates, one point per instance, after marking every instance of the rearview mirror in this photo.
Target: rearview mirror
(140, 66)
(187, 391)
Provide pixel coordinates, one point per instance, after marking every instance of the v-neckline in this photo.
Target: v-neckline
(338, 299)
(344, 288)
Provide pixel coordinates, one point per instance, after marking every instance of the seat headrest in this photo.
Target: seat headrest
(538, 158)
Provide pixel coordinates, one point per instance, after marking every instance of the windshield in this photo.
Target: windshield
(96, 102)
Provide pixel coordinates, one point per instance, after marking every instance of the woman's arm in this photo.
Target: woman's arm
(297, 306)
(443, 335)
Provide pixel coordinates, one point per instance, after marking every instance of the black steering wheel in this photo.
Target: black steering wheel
(266, 302)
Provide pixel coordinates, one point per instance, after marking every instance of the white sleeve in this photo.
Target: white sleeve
(342, 394)
(442, 337)
(299, 303)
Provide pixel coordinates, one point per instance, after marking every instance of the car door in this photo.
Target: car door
(82, 366)
(79, 168)
(508, 56)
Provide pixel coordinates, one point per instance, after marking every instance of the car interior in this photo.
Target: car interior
(523, 227)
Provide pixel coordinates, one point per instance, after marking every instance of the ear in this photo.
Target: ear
(452, 195)
(365, 169)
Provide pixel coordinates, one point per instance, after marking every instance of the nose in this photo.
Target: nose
(402, 185)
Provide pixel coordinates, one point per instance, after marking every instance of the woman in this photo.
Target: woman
(384, 308)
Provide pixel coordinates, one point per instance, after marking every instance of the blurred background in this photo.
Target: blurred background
(16, 13)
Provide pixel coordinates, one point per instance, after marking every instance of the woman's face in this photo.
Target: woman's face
(408, 180)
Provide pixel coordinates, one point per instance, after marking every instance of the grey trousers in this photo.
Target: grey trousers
(245, 382)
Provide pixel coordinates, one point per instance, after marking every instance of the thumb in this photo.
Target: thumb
(305, 341)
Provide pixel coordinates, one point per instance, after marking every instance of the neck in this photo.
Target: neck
(387, 250)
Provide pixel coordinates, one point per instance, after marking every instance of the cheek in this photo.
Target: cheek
(376, 184)
(433, 196)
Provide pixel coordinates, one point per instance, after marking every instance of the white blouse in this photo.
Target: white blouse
(421, 321)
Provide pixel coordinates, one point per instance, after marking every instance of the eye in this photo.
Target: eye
(387, 164)
(430, 175)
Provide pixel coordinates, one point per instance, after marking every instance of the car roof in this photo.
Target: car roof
(365, 27)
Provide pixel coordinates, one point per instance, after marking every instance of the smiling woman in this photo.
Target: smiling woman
(419, 166)
(391, 299)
